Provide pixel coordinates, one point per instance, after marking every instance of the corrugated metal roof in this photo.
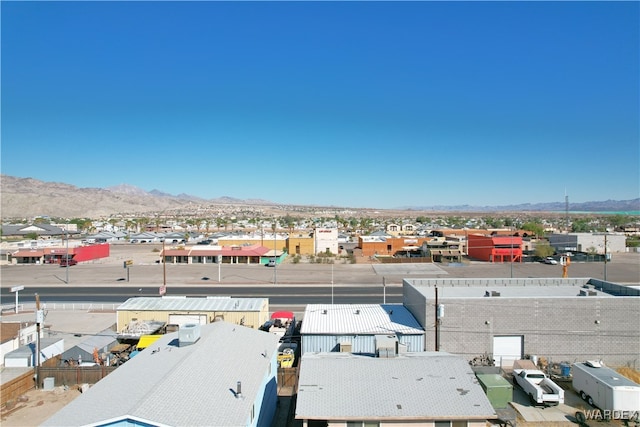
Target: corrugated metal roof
(99, 341)
(193, 304)
(378, 319)
(423, 386)
(182, 386)
(29, 349)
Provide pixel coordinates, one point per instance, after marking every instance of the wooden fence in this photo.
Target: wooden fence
(62, 376)
(287, 381)
(73, 375)
(18, 386)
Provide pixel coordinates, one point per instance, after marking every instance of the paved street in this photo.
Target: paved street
(624, 268)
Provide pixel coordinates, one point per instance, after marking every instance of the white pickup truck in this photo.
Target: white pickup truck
(541, 390)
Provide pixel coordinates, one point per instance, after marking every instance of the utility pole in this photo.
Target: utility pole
(66, 233)
(39, 318)
(384, 290)
(605, 257)
(437, 322)
(511, 255)
(331, 284)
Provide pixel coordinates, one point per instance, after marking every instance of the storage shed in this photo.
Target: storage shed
(497, 388)
(360, 328)
(25, 356)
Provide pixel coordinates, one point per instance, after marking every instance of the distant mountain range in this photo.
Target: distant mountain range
(28, 197)
(605, 206)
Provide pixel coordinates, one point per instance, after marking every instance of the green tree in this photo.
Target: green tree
(544, 250)
(618, 221)
(535, 228)
(581, 225)
(220, 221)
(633, 242)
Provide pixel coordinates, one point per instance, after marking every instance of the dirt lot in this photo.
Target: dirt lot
(36, 406)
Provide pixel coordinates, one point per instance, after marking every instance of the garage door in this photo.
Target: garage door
(507, 349)
(183, 319)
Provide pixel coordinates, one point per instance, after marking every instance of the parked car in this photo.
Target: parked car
(550, 260)
(64, 262)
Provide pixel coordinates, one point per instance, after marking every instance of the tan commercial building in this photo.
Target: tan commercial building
(250, 312)
(301, 244)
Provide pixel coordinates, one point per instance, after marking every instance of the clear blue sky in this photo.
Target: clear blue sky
(360, 104)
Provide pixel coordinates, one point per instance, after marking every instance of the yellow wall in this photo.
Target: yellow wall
(306, 244)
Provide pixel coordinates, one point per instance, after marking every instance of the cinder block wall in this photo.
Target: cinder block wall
(557, 328)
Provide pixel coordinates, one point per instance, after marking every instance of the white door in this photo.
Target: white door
(507, 349)
(183, 319)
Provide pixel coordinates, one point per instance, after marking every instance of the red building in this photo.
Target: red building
(54, 255)
(495, 248)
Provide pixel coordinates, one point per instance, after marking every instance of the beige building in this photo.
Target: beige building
(277, 242)
(301, 243)
(250, 312)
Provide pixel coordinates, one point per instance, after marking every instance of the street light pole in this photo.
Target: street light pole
(511, 257)
(605, 257)
(331, 284)
(66, 233)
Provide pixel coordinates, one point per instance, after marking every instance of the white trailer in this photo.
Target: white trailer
(606, 389)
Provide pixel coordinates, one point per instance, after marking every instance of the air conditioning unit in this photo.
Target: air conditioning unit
(189, 334)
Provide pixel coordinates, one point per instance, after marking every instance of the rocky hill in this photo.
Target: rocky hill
(27, 198)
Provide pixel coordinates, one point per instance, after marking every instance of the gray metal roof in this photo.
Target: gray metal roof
(24, 229)
(362, 319)
(101, 340)
(190, 385)
(422, 386)
(28, 350)
(174, 303)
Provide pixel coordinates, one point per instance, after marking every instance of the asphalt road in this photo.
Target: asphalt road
(286, 295)
(107, 279)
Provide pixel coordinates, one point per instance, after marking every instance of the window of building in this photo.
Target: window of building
(363, 424)
(457, 423)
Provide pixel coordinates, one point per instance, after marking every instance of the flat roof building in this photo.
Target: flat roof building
(424, 388)
(559, 319)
